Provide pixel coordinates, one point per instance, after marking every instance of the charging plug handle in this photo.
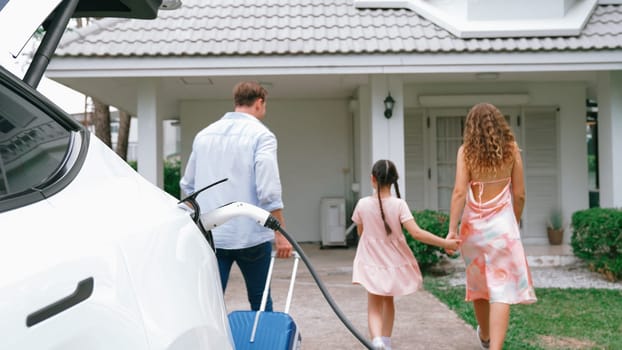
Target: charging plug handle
(219, 216)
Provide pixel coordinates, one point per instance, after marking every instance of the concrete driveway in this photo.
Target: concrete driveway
(421, 321)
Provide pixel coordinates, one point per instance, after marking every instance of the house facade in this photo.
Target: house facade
(328, 66)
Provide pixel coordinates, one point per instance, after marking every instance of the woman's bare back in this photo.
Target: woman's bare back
(490, 185)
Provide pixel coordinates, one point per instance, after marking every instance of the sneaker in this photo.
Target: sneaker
(387, 343)
(484, 344)
(378, 344)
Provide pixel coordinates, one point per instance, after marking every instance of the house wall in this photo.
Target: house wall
(314, 150)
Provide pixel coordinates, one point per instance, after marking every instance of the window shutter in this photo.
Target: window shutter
(415, 159)
(541, 163)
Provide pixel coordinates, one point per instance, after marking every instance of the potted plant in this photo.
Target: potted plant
(555, 228)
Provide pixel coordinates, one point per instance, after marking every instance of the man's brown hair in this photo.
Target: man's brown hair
(247, 92)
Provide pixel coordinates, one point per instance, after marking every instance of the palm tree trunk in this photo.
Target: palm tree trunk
(124, 134)
(102, 121)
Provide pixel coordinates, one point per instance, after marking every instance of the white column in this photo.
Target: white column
(149, 133)
(365, 145)
(610, 138)
(574, 189)
(387, 134)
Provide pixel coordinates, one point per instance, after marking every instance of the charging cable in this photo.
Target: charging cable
(226, 212)
(323, 289)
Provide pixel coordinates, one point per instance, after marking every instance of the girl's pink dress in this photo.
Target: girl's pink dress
(384, 264)
(496, 266)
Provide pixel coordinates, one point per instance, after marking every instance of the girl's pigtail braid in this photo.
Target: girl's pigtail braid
(397, 189)
(386, 226)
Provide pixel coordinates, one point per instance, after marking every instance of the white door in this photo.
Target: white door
(446, 130)
(432, 139)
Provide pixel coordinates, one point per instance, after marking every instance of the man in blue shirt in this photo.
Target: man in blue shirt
(241, 148)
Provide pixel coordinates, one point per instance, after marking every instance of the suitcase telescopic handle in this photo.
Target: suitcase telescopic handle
(264, 300)
(264, 297)
(290, 292)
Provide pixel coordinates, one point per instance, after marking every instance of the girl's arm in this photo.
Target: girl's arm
(359, 229)
(428, 238)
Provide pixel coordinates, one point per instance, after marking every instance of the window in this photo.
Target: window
(592, 152)
(33, 146)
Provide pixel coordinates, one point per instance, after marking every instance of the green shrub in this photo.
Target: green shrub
(172, 175)
(597, 239)
(591, 163)
(438, 224)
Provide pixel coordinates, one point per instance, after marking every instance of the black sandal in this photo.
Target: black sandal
(484, 344)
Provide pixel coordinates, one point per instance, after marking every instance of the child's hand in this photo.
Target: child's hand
(452, 243)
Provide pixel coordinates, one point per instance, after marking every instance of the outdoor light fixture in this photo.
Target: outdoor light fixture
(389, 102)
(170, 4)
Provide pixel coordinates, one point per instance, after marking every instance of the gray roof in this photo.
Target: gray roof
(319, 27)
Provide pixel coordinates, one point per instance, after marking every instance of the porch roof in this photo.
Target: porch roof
(321, 27)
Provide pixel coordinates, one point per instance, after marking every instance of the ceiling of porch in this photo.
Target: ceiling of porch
(122, 92)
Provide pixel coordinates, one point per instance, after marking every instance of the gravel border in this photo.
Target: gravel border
(570, 276)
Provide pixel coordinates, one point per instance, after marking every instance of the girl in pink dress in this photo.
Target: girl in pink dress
(384, 264)
(489, 193)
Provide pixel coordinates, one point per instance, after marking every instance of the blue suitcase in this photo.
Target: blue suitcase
(263, 330)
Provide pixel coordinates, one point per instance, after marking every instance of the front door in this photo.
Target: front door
(446, 129)
(433, 137)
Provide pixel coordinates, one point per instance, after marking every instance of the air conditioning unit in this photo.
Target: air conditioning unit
(333, 221)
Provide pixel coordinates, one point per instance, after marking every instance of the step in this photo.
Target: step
(537, 256)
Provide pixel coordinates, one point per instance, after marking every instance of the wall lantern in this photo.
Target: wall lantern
(170, 4)
(389, 102)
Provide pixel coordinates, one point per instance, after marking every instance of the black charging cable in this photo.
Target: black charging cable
(273, 223)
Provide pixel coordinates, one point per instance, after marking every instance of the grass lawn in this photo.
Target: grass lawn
(561, 319)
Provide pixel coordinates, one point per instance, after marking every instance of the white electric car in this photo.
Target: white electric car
(92, 256)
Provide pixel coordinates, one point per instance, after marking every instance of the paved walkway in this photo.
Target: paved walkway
(421, 321)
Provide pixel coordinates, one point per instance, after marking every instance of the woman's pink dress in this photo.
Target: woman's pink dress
(496, 266)
(384, 264)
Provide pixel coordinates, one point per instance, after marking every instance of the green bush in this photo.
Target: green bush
(597, 239)
(172, 175)
(591, 163)
(438, 224)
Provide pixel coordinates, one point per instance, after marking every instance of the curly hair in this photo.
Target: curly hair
(489, 142)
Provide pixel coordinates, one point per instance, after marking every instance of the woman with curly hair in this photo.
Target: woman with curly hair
(489, 194)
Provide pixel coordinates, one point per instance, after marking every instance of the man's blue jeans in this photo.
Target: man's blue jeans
(254, 263)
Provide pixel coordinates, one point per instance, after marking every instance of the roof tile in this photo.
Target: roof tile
(286, 27)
